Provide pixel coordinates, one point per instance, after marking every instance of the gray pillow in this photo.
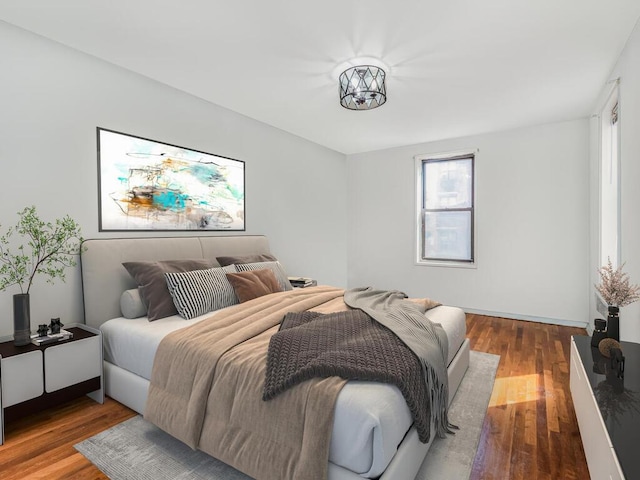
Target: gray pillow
(153, 286)
(258, 257)
(276, 267)
(201, 291)
(131, 305)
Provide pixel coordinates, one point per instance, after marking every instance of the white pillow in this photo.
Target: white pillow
(275, 267)
(197, 292)
(131, 304)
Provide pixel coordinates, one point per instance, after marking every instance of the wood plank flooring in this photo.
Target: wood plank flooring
(41, 446)
(530, 430)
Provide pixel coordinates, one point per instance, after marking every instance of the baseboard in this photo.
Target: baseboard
(528, 318)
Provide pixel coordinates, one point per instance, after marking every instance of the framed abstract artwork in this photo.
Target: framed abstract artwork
(148, 185)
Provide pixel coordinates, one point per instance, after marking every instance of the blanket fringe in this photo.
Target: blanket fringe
(440, 396)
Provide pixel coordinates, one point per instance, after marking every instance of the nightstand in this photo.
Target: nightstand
(302, 282)
(33, 378)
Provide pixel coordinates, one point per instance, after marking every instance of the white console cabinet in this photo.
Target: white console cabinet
(607, 408)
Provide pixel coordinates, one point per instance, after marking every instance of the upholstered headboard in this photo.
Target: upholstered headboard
(104, 278)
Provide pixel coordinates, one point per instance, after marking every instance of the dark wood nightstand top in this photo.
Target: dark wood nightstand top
(8, 349)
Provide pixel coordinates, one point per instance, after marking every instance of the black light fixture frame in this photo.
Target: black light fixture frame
(362, 87)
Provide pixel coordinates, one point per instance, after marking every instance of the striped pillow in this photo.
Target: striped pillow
(200, 291)
(275, 267)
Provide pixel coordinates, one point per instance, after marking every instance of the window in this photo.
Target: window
(609, 182)
(446, 206)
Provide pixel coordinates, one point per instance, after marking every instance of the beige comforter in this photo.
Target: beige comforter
(206, 390)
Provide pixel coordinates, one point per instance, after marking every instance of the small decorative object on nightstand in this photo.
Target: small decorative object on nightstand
(43, 330)
(55, 325)
(46, 339)
(302, 282)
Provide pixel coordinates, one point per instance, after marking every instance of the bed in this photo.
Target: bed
(373, 435)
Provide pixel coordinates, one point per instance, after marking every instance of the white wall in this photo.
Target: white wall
(52, 99)
(533, 188)
(532, 224)
(628, 70)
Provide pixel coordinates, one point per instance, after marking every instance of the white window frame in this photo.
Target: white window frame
(609, 182)
(419, 195)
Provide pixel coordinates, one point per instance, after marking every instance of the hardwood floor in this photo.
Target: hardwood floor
(530, 430)
(41, 446)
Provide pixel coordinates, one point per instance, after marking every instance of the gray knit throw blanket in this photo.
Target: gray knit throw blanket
(354, 346)
(426, 339)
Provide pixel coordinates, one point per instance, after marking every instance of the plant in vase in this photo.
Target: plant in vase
(616, 289)
(49, 249)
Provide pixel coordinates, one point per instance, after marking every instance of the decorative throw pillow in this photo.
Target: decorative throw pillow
(258, 257)
(131, 304)
(253, 284)
(201, 291)
(153, 287)
(424, 303)
(275, 267)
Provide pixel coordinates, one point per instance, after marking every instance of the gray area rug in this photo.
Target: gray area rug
(137, 450)
(451, 458)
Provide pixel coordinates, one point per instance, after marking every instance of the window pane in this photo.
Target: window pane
(447, 235)
(447, 184)
(609, 195)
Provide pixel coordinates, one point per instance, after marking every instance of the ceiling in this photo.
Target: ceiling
(455, 68)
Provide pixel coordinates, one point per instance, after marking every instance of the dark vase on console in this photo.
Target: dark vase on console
(21, 320)
(613, 323)
(599, 331)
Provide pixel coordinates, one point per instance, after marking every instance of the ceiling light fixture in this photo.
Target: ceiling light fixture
(362, 87)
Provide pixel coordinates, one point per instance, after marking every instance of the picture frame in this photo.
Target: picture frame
(149, 185)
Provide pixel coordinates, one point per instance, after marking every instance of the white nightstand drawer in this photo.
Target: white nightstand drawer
(21, 378)
(72, 362)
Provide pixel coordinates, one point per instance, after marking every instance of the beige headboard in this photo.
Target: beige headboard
(104, 278)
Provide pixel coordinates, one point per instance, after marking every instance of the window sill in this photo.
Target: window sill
(447, 264)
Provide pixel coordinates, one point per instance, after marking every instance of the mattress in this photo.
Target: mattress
(370, 421)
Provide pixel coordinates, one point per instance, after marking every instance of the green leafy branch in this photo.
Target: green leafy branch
(50, 248)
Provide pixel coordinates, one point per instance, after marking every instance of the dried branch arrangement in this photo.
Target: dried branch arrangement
(615, 286)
